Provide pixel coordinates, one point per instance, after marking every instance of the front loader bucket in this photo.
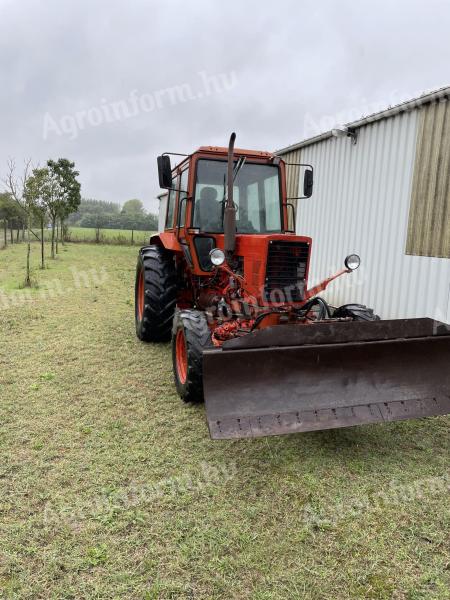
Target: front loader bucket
(293, 378)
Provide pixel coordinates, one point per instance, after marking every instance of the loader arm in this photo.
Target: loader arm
(324, 284)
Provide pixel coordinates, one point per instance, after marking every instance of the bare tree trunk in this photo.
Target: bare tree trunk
(5, 232)
(11, 231)
(53, 238)
(132, 237)
(42, 244)
(18, 189)
(28, 276)
(62, 232)
(57, 236)
(18, 235)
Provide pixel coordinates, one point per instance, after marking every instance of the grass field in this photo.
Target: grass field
(111, 488)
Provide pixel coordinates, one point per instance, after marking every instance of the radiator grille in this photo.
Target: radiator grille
(286, 269)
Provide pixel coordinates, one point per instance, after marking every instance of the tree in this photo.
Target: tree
(151, 222)
(17, 221)
(12, 216)
(133, 216)
(8, 213)
(89, 207)
(99, 223)
(134, 208)
(62, 192)
(17, 188)
(36, 190)
(98, 214)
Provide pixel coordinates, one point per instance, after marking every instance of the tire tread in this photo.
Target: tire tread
(160, 294)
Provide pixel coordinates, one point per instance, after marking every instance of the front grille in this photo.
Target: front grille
(285, 273)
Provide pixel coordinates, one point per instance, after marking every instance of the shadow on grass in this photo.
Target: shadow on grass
(409, 444)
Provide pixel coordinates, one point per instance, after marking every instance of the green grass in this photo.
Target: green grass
(111, 488)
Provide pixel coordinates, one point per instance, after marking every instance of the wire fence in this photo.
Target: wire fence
(123, 237)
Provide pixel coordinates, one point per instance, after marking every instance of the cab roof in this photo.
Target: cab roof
(223, 150)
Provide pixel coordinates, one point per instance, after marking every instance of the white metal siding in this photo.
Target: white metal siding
(361, 204)
(162, 212)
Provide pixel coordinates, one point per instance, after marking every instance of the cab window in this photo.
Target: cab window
(183, 195)
(171, 203)
(256, 194)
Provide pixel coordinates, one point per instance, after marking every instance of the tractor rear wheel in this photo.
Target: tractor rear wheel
(155, 294)
(358, 312)
(190, 336)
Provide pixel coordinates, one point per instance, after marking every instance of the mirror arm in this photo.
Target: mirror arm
(174, 154)
(300, 165)
(310, 168)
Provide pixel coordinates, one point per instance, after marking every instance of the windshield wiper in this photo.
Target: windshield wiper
(239, 164)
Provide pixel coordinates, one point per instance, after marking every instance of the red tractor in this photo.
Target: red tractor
(227, 282)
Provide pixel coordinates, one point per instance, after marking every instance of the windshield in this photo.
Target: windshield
(256, 194)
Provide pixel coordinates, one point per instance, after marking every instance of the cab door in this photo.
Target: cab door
(182, 211)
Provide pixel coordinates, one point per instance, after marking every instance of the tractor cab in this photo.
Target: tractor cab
(199, 188)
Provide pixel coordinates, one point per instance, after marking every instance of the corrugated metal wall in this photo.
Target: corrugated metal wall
(361, 204)
(162, 211)
(292, 176)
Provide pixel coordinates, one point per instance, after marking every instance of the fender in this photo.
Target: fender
(166, 240)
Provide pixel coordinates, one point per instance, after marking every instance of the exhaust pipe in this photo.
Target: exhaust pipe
(229, 217)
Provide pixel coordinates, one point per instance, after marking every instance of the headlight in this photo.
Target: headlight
(217, 257)
(352, 262)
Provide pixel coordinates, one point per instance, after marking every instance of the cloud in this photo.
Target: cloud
(292, 60)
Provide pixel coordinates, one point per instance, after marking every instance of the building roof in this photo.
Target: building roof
(440, 94)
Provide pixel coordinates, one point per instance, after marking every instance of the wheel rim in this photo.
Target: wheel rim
(181, 356)
(141, 295)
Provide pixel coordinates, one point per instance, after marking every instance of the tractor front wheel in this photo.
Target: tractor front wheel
(190, 336)
(357, 312)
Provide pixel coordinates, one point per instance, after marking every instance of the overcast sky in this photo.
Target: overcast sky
(112, 84)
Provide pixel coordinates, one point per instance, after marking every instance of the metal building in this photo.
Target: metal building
(162, 210)
(383, 192)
